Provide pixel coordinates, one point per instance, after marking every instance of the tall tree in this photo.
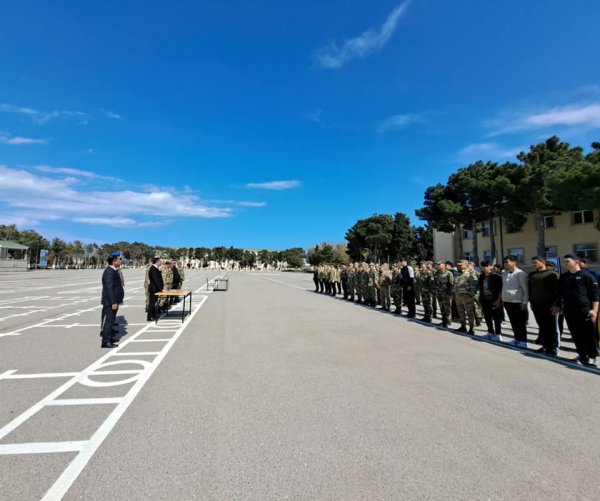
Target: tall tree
(402, 237)
(542, 162)
(444, 212)
(371, 238)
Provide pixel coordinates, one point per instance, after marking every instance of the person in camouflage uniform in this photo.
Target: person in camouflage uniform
(351, 281)
(444, 289)
(426, 287)
(146, 285)
(360, 283)
(466, 290)
(417, 283)
(385, 283)
(167, 275)
(478, 311)
(396, 289)
(344, 279)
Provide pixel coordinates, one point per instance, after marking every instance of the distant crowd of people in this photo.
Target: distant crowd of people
(467, 296)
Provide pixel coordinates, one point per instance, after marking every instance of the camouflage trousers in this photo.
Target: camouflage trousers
(370, 295)
(434, 306)
(384, 297)
(426, 301)
(396, 293)
(465, 304)
(445, 308)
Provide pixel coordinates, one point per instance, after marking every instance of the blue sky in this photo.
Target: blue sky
(272, 124)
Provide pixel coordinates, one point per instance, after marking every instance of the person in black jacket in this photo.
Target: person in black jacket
(543, 287)
(112, 296)
(407, 280)
(155, 284)
(578, 296)
(490, 289)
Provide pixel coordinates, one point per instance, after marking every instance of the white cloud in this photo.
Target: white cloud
(585, 116)
(486, 151)
(274, 185)
(20, 141)
(111, 114)
(74, 172)
(251, 204)
(28, 195)
(333, 57)
(40, 117)
(314, 116)
(399, 122)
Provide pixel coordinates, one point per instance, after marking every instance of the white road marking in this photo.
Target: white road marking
(86, 401)
(282, 283)
(41, 447)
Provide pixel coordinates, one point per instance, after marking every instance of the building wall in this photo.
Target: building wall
(562, 238)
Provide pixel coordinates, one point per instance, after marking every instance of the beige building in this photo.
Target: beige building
(566, 233)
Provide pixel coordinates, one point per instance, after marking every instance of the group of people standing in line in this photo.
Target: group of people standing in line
(467, 296)
(159, 277)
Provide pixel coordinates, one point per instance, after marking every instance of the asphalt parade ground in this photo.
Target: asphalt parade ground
(271, 391)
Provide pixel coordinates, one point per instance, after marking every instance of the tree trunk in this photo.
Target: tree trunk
(458, 248)
(541, 245)
(475, 245)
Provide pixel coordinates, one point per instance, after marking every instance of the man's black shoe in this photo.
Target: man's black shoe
(109, 345)
(427, 319)
(471, 331)
(541, 350)
(462, 328)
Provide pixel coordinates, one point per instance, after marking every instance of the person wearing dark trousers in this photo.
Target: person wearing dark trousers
(578, 296)
(543, 287)
(408, 287)
(155, 284)
(490, 289)
(515, 296)
(176, 283)
(112, 296)
(316, 278)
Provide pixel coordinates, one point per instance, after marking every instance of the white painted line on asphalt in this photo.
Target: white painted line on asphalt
(282, 283)
(68, 477)
(9, 375)
(150, 340)
(40, 448)
(128, 353)
(86, 401)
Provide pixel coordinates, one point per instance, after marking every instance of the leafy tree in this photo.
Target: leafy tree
(320, 253)
(371, 238)
(422, 243)
(545, 161)
(444, 212)
(35, 242)
(294, 257)
(576, 186)
(9, 232)
(402, 237)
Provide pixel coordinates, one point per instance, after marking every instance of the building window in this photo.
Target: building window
(514, 228)
(487, 255)
(549, 222)
(587, 251)
(486, 230)
(551, 251)
(519, 252)
(469, 256)
(583, 216)
(467, 234)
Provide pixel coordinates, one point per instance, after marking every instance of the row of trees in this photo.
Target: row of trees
(550, 178)
(74, 254)
(379, 238)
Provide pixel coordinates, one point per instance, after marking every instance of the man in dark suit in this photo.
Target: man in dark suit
(155, 284)
(112, 296)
